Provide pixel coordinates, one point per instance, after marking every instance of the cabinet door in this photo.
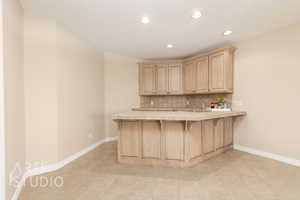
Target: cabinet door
(219, 133)
(221, 72)
(151, 139)
(228, 131)
(174, 148)
(189, 77)
(147, 79)
(195, 140)
(175, 78)
(217, 72)
(162, 79)
(130, 138)
(202, 74)
(208, 136)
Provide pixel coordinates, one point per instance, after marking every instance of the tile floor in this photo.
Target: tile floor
(231, 176)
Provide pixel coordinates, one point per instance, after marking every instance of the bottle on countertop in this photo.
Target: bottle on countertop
(220, 105)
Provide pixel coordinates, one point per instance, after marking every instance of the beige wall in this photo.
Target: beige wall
(40, 85)
(67, 88)
(267, 86)
(121, 88)
(64, 92)
(80, 94)
(13, 75)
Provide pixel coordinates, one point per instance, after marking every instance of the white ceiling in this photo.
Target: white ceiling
(114, 25)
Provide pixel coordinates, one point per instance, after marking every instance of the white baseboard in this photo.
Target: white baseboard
(110, 139)
(56, 166)
(61, 164)
(272, 156)
(19, 188)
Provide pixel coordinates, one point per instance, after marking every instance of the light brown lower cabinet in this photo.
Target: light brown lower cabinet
(228, 131)
(174, 133)
(219, 133)
(173, 143)
(130, 137)
(208, 136)
(195, 139)
(151, 139)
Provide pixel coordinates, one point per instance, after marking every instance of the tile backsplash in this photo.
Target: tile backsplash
(187, 101)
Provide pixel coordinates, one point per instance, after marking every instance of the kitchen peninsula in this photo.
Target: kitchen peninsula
(175, 139)
(173, 126)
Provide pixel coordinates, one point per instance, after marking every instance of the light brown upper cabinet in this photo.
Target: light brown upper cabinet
(147, 79)
(175, 79)
(221, 71)
(160, 78)
(189, 77)
(195, 75)
(210, 72)
(202, 75)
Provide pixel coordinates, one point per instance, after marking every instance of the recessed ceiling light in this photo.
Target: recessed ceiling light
(197, 14)
(145, 20)
(228, 32)
(170, 46)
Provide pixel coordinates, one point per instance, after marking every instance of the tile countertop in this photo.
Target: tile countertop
(175, 115)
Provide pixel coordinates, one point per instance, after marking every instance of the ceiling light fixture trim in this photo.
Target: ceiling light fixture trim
(170, 46)
(228, 32)
(197, 14)
(145, 20)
